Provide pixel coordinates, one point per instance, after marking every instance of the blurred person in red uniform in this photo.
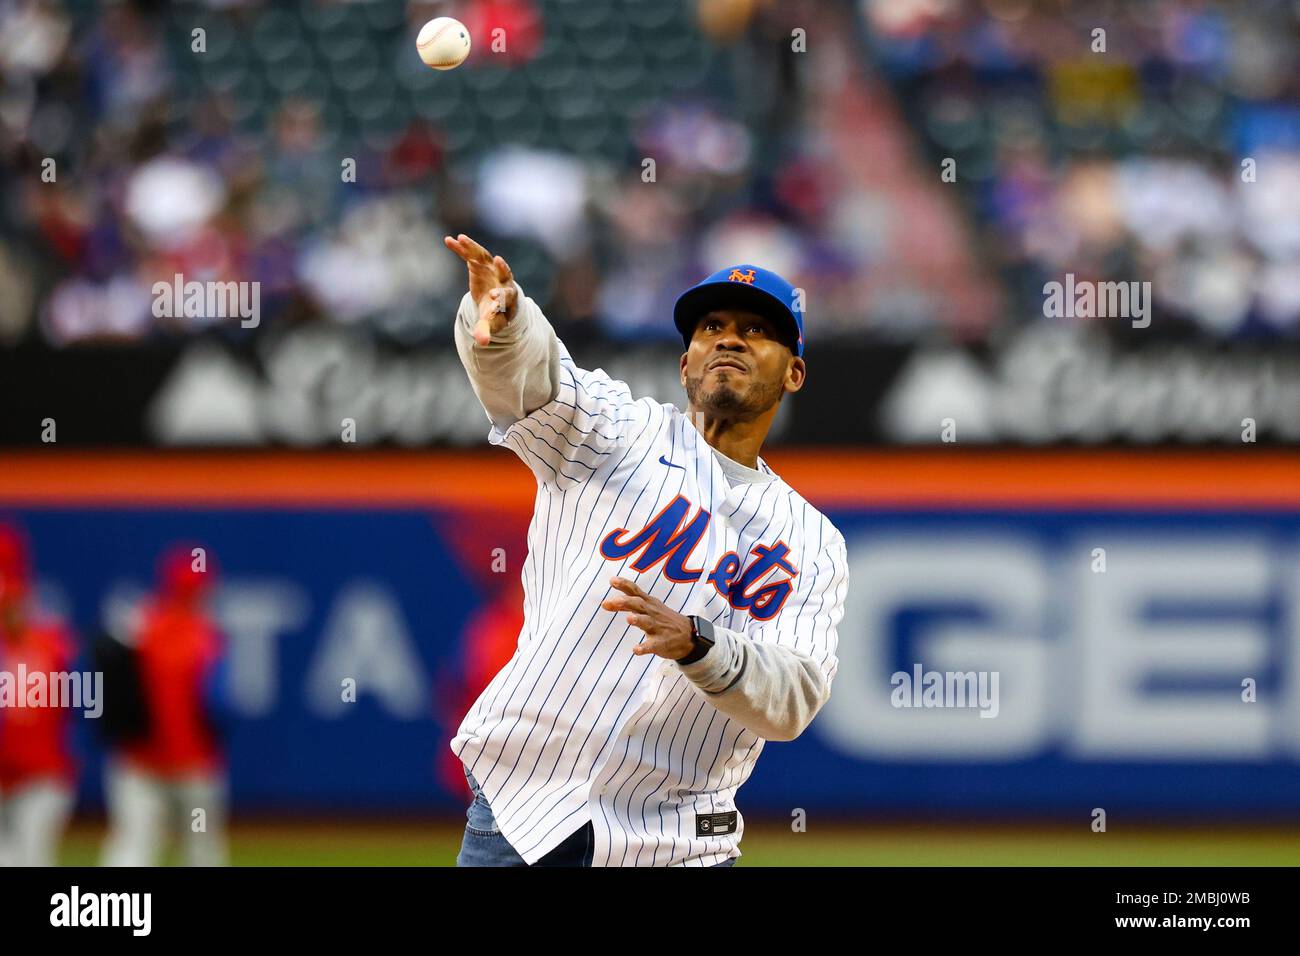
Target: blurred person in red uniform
(491, 636)
(161, 778)
(37, 772)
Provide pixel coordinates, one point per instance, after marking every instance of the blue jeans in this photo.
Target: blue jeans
(485, 845)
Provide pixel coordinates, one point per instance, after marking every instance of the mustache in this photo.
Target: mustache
(727, 361)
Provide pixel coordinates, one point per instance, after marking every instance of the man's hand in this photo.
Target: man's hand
(491, 286)
(668, 633)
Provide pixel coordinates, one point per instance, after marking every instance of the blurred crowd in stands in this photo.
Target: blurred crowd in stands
(132, 150)
(1151, 141)
(230, 162)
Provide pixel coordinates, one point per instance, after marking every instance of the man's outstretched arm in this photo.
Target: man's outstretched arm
(561, 420)
(504, 341)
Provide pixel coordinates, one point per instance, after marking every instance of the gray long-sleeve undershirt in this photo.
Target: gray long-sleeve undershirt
(770, 689)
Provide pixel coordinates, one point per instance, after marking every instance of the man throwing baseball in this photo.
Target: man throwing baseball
(680, 600)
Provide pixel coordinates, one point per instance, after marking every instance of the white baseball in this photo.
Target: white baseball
(443, 43)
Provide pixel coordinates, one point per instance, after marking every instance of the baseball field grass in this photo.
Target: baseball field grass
(434, 843)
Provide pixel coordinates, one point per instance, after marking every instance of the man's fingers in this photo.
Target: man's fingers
(504, 275)
(469, 250)
(478, 252)
(627, 587)
(621, 602)
(455, 246)
(489, 321)
(648, 645)
(461, 249)
(643, 621)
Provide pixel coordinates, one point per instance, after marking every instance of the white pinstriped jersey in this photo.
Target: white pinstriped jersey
(576, 728)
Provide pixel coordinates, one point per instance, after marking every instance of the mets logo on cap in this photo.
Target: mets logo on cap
(738, 276)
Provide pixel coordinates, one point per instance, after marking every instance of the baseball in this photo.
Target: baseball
(443, 43)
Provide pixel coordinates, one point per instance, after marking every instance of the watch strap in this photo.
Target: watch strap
(702, 639)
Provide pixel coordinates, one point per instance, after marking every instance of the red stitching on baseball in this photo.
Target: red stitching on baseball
(437, 33)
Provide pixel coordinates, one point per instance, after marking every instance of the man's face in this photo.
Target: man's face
(738, 364)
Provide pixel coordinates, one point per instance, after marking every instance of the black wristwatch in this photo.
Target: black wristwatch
(701, 639)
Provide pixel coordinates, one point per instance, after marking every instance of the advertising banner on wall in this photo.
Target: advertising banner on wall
(1048, 385)
(1022, 634)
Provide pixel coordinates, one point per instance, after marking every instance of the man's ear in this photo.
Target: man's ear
(796, 374)
(682, 369)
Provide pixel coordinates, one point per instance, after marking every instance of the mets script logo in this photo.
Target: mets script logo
(738, 276)
(670, 538)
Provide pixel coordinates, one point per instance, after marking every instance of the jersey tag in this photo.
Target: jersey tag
(715, 824)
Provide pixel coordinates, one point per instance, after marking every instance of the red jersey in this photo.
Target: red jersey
(34, 740)
(177, 650)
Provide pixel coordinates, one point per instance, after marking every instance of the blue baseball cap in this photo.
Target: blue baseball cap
(746, 288)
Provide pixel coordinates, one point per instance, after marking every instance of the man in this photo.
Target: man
(171, 774)
(680, 600)
(37, 772)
